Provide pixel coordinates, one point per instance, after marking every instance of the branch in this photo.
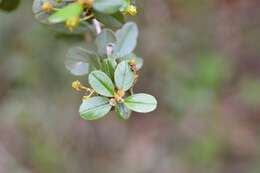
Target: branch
(97, 26)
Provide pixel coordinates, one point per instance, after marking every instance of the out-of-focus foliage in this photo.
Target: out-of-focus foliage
(9, 5)
(201, 62)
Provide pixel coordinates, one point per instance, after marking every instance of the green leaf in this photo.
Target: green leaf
(81, 29)
(108, 6)
(122, 111)
(109, 66)
(142, 103)
(71, 10)
(103, 39)
(94, 108)
(9, 5)
(124, 77)
(80, 61)
(101, 83)
(110, 20)
(126, 39)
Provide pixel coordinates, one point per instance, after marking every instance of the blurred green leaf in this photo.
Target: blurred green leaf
(69, 11)
(110, 20)
(80, 61)
(103, 39)
(94, 108)
(126, 39)
(9, 5)
(108, 6)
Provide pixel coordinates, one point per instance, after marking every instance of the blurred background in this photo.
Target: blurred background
(201, 62)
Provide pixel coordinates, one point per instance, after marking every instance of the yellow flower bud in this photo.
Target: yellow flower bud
(47, 7)
(131, 10)
(72, 23)
(76, 85)
(87, 3)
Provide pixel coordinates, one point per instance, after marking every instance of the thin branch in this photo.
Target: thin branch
(97, 26)
(109, 49)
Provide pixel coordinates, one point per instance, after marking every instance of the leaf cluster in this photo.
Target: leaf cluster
(109, 63)
(112, 76)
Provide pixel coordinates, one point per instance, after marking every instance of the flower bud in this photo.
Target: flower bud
(72, 23)
(76, 85)
(130, 10)
(47, 7)
(87, 3)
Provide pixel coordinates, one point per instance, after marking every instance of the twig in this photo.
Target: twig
(97, 26)
(109, 49)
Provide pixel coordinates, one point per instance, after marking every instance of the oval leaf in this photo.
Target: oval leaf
(94, 108)
(126, 39)
(71, 10)
(101, 83)
(124, 77)
(80, 61)
(142, 103)
(110, 20)
(108, 6)
(122, 111)
(109, 66)
(103, 39)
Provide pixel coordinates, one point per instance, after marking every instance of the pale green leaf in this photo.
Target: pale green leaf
(126, 39)
(101, 83)
(142, 103)
(122, 111)
(103, 40)
(124, 77)
(109, 66)
(94, 108)
(108, 6)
